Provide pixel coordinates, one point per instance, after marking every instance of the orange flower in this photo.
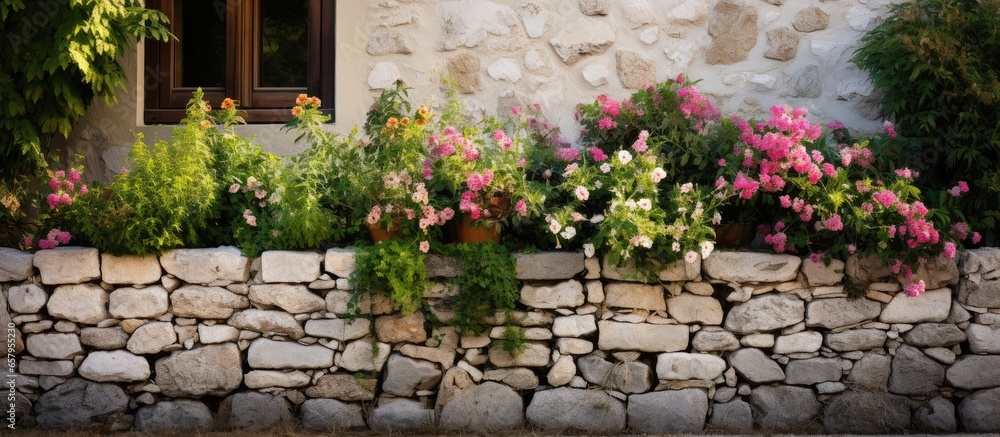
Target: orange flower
(206, 106)
(424, 112)
(405, 121)
(420, 121)
(228, 103)
(316, 102)
(297, 111)
(302, 100)
(206, 123)
(392, 123)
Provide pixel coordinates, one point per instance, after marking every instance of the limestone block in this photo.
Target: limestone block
(733, 27)
(267, 322)
(668, 412)
(269, 354)
(15, 265)
(585, 36)
(139, 303)
(784, 407)
(387, 42)
(782, 43)
(114, 366)
(643, 337)
(932, 306)
(767, 312)
(79, 402)
(68, 265)
(811, 19)
(130, 269)
(568, 294)
(274, 378)
(254, 411)
(174, 415)
(330, 415)
(746, 267)
(290, 266)
(570, 408)
(27, 298)
(635, 296)
(548, 265)
(689, 308)
(464, 68)
(214, 370)
(681, 366)
(839, 312)
(634, 70)
(83, 303)
(54, 346)
(222, 265)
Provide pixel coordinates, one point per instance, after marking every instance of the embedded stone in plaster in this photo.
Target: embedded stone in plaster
(690, 12)
(811, 19)
(505, 69)
(650, 35)
(596, 74)
(634, 70)
(782, 43)
(636, 12)
(860, 18)
(535, 59)
(386, 42)
(383, 76)
(534, 18)
(585, 36)
(754, 81)
(829, 52)
(679, 53)
(595, 7)
(469, 23)
(464, 68)
(733, 27)
(857, 85)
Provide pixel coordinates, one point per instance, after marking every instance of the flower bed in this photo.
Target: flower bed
(155, 343)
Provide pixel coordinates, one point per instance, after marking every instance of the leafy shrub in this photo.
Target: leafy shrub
(394, 268)
(164, 201)
(936, 64)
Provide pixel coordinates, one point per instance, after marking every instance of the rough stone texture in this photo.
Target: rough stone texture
(384, 75)
(213, 370)
(913, 373)
(570, 408)
(79, 402)
(534, 355)
(339, 262)
(643, 337)
(490, 406)
(400, 415)
(568, 294)
(130, 269)
(27, 298)
(175, 414)
(404, 376)
(689, 308)
(84, 303)
(267, 322)
(936, 334)
(981, 293)
(733, 28)
(819, 274)
(784, 407)
(870, 268)
(585, 36)
(634, 70)
(731, 416)
(387, 42)
(151, 338)
(68, 265)
(839, 312)
(295, 299)
(344, 387)
(978, 411)
(871, 372)
(782, 43)
(983, 339)
(595, 74)
(338, 329)
(856, 340)
(548, 265)
(206, 266)
(974, 372)
(799, 342)
(139, 303)
(813, 371)
(269, 354)
(15, 265)
(517, 378)
(765, 313)
(361, 355)
(398, 328)
(932, 306)
(104, 338)
(464, 68)
(217, 334)
(714, 341)
(471, 23)
(595, 7)
(859, 412)
(274, 378)
(937, 415)
(683, 366)
(290, 266)
(981, 260)
(629, 377)
(206, 302)
(668, 412)
(938, 272)
(326, 415)
(811, 19)
(562, 372)
(574, 326)
(114, 366)
(53, 346)
(756, 367)
(254, 411)
(635, 296)
(505, 69)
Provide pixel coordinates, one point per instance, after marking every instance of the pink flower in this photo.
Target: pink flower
(515, 110)
(786, 202)
(976, 237)
(640, 144)
(234, 188)
(829, 170)
(425, 246)
(606, 123)
(904, 173)
(74, 176)
(567, 154)
(503, 140)
(658, 175)
(582, 193)
(54, 184)
(963, 186)
(521, 208)
(84, 189)
(949, 250)
(816, 257)
(722, 162)
(889, 129)
(445, 215)
(915, 289)
(747, 187)
(867, 207)
(477, 181)
(597, 154)
(833, 223)
(851, 249)
(690, 257)
(777, 241)
(610, 106)
(885, 197)
(835, 125)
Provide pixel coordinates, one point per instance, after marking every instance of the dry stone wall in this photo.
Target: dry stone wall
(207, 338)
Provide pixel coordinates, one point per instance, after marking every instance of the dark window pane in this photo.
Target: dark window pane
(284, 47)
(202, 58)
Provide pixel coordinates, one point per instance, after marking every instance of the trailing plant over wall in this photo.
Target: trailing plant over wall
(395, 268)
(936, 64)
(488, 284)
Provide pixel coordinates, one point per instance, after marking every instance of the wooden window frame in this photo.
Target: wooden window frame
(165, 101)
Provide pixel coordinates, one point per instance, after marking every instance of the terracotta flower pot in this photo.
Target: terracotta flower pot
(379, 235)
(464, 232)
(733, 236)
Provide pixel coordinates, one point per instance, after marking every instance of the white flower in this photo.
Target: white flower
(605, 168)
(686, 188)
(568, 233)
(624, 157)
(598, 184)
(597, 218)
(588, 250)
(645, 204)
(676, 246)
(658, 174)
(691, 256)
(554, 226)
(630, 204)
(706, 248)
(646, 242)
(582, 193)
(717, 218)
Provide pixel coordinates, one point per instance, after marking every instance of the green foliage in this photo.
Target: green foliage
(57, 56)
(936, 64)
(514, 340)
(395, 268)
(164, 202)
(488, 284)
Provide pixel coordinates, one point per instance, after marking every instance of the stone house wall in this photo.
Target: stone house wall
(207, 338)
